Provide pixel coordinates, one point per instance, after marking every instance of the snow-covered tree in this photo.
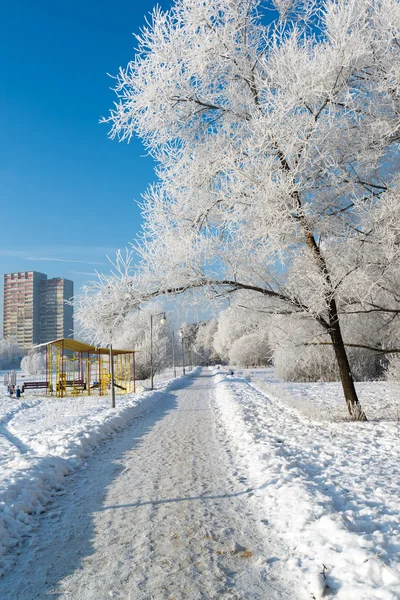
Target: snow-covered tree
(251, 350)
(133, 333)
(276, 135)
(229, 329)
(204, 342)
(9, 351)
(243, 320)
(34, 363)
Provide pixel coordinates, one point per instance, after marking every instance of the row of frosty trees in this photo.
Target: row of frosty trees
(275, 129)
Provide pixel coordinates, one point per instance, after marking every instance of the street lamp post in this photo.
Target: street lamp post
(162, 321)
(183, 353)
(173, 352)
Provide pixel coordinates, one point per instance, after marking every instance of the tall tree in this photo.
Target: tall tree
(275, 134)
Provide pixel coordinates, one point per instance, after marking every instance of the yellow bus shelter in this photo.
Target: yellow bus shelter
(74, 368)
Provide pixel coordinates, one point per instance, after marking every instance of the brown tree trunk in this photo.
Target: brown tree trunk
(333, 326)
(353, 404)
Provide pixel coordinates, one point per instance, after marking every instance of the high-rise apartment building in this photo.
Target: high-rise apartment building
(22, 307)
(56, 317)
(34, 308)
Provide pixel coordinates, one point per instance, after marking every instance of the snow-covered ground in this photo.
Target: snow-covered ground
(43, 439)
(211, 487)
(322, 401)
(159, 512)
(330, 489)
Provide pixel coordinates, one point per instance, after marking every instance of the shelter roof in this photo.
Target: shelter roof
(75, 346)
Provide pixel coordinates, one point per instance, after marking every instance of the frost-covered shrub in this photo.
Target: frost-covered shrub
(301, 351)
(392, 376)
(365, 364)
(319, 364)
(296, 363)
(251, 350)
(392, 372)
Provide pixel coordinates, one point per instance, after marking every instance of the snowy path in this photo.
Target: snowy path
(160, 512)
(330, 491)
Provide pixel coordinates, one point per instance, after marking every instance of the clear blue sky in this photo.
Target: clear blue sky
(67, 192)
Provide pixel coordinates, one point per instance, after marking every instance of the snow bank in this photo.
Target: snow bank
(329, 490)
(44, 439)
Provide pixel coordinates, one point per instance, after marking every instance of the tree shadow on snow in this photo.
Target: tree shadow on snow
(202, 498)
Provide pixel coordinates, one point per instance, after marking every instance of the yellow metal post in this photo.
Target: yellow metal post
(87, 365)
(58, 371)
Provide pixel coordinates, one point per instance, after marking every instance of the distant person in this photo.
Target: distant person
(18, 392)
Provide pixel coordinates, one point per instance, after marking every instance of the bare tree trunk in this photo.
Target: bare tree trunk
(346, 377)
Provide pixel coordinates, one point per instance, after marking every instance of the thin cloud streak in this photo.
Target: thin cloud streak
(92, 274)
(47, 252)
(65, 260)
